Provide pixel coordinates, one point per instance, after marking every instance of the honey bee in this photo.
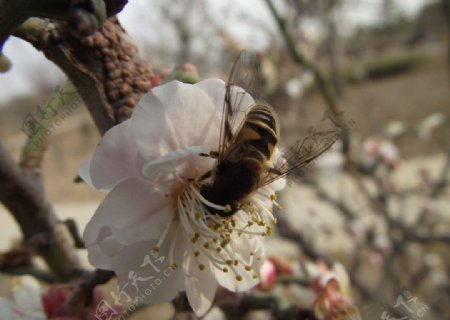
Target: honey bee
(246, 152)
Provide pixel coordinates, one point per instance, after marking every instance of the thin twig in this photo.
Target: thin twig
(83, 295)
(322, 82)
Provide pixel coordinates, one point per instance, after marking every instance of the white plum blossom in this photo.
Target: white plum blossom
(153, 228)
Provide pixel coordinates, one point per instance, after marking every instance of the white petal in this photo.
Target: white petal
(190, 116)
(148, 123)
(215, 89)
(130, 202)
(103, 254)
(27, 294)
(11, 311)
(84, 173)
(146, 275)
(200, 285)
(278, 184)
(148, 228)
(242, 245)
(240, 99)
(114, 159)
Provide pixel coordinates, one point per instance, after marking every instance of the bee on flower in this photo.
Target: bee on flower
(191, 178)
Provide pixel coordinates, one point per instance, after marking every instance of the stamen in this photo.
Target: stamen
(163, 236)
(212, 235)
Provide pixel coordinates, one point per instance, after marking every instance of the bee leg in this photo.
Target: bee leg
(211, 154)
(205, 176)
(275, 171)
(201, 178)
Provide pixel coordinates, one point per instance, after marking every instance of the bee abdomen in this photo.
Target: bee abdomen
(261, 150)
(265, 133)
(263, 113)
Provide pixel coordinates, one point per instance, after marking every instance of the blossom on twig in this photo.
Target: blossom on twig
(153, 228)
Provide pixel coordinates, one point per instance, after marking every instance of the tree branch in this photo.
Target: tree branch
(83, 293)
(81, 14)
(103, 67)
(23, 197)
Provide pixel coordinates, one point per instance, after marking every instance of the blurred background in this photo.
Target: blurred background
(386, 221)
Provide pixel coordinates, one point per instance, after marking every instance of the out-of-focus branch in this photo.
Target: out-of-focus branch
(379, 204)
(237, 307)
(446, 11)
(18, 261)
(23, 197)
(34, 148)
(322, 82)
(322, 194)
(285, 230)
(83, 294)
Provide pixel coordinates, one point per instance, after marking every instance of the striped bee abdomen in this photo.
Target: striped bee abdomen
(259, 133)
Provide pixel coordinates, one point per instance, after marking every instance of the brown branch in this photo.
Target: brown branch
(286, 231)
(83, 294)
(83, 17)
(23, 197)
(323, 195)
(104, 67)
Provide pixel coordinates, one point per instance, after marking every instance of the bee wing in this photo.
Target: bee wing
(245, 77)
(302, 152)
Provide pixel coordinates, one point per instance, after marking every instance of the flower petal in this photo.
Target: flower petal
(103, 254)
(84, 173)
(130, 202)
(215, 89)
(190, 116)
(243, 247)
(146, 276)
(200, 285)
(114, 159)
(148, 123)
(239, 98)
(12, 311)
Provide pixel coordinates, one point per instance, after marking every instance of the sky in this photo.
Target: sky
(32, 71)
